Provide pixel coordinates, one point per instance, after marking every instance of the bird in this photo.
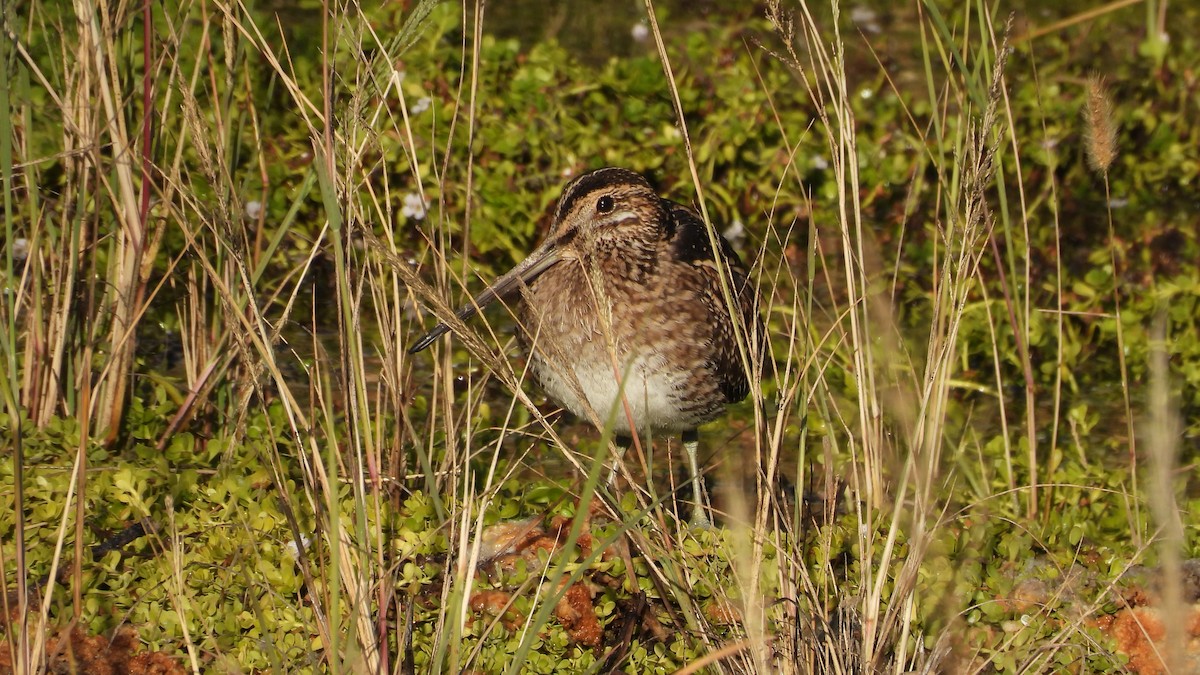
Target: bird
(623, 315)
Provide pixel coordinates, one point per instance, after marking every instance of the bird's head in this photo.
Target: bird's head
(613, 211)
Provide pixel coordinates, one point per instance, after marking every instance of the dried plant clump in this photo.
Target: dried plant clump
(73, 651)
(508, 546)
(1140, 633)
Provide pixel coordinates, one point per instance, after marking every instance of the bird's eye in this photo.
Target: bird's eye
(604, 204)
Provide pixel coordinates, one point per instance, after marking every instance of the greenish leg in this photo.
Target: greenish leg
(691, 444)
(622, 443)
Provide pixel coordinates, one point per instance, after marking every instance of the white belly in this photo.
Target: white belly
(651, 392)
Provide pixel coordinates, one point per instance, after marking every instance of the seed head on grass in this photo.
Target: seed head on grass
(1100, 127)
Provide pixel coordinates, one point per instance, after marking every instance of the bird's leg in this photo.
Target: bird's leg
(691, 444)
(622, 443)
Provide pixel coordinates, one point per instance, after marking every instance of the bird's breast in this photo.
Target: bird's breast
(590, 340)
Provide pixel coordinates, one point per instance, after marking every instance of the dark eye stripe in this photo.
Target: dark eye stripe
(587, 185)
(566, 238)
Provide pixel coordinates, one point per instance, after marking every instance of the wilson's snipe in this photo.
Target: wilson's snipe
(626, 287)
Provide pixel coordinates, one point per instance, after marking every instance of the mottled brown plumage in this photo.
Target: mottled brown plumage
(626, 288)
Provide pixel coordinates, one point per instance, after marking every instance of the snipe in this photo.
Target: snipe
(626, 288)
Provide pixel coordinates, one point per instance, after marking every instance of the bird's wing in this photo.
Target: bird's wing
(689, 243)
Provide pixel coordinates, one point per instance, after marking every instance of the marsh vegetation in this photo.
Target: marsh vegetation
(975, 239)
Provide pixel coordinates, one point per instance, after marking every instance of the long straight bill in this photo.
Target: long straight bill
(539, 261)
